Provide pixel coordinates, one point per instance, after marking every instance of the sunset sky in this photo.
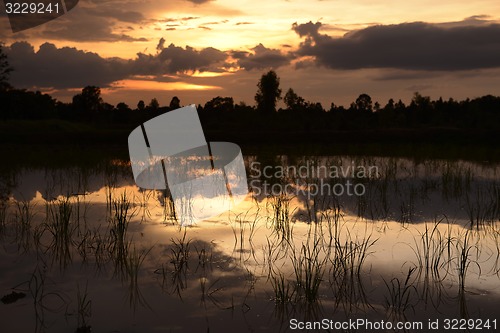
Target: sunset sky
(327, 51)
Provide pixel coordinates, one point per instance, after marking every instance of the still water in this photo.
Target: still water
(319, 239)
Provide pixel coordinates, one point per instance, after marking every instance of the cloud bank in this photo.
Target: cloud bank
(409, 49)
(409, 46)
(68, 67)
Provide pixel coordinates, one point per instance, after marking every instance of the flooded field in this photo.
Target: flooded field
(390, 243)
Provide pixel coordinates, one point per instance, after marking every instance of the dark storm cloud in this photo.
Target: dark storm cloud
(98, 22)
(68, 67)
(117, 14)
(307, 29)
(85, 28)
(261, 57)
(174, 58)
(61, 68)
(414, 46)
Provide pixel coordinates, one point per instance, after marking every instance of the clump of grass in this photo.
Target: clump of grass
(145, 197)
(24, 216)
(495, 194)
(204, 258)
(347, 259)
(180, 252)
(333, 215)
(350, 256)
(431, 249)
(309, 269)
(455, 180)
(84, 310)
(135, 260)
(407, 208)
(121, 216)
(484, 208)
(4, 206)
(495, 235)
(465, 249)
(284, 291)
(280, 219)
(93, 245)
(179, 259)
(400, 294)
(43, 299)
(119, 222)
(241, 223)
(315, 203)
(272, 252)
(61, 230)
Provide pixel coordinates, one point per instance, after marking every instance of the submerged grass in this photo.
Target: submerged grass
(347, 263)
(84, 309)
(309, 269)
(4, 209)
(401, 295)
(244, 227)
(280, 216)
(23, 219)
(135, 260)
(118, 242)
(333, 255)
(465, 248)
(284, 291)
(432, 249)
(175, 271)
(61, 231)
(484, 207)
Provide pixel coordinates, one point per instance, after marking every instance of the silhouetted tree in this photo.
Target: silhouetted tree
(175, 103)
(387, 115)
(88, 103)
(5, 70)
(220, 104)
(121, 114)
(89, 100)
(154, 105)
(315, 107)
(141, 105)
(122, 107)
(243, 107)
(421, 109)
(22, 104)
(293, 101)
(269, 92)
(107, 108)
(363, 103)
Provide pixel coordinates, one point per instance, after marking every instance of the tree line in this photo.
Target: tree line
(222, 113)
